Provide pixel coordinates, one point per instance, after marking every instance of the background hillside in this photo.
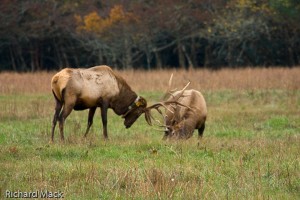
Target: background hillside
(51, 34)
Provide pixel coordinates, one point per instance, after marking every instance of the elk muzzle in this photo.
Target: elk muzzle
(135, 112)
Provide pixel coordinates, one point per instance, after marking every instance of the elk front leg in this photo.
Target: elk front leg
(104, 108)
(90, 120)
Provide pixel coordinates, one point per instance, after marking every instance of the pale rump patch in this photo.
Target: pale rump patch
(59, 82)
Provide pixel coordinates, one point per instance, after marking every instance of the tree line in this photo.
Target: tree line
(53, 34)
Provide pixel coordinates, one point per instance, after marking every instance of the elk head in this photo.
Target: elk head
(172, 106)
(176, 130)
(134, 111)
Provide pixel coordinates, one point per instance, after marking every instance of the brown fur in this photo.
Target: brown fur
(184, 120)
(90, 88)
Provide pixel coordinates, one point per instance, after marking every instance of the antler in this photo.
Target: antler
(181, 92)
(169, 91)
(147, 111)
(148, 115)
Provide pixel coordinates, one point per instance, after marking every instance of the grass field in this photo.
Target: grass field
(250, 148)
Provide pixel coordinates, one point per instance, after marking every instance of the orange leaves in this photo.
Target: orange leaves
(117, 14)
(97, 24)
(253, 5)
(91, 23)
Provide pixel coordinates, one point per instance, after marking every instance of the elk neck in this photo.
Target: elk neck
(131, 106)
(125, 101)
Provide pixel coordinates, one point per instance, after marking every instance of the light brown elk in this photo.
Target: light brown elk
(187, 114)
(91, 88)
(180, 122)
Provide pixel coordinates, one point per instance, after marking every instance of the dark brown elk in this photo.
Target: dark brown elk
(185, 115)
(91, 88)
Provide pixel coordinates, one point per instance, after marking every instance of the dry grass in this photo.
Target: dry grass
(250, 148)
(157, 80)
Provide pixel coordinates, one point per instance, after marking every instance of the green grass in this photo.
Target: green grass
(250, 150)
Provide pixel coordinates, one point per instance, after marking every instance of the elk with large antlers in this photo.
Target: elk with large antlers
(182, 121)
(187, 113)
(90, 88)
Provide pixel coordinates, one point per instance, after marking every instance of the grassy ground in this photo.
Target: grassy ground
(250, 148)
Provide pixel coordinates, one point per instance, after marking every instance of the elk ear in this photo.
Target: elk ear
(141, 102)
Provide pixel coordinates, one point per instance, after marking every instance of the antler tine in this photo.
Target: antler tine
(161, 125)
(181, 92)
(177, 103)
(170, 81)
(164, 104)
(157, 105)
(148, 114)
(169, 91)
(186, 86)
(160, 130)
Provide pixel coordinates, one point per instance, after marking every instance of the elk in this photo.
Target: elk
(187, 114)
(98, 86)
(180, 122)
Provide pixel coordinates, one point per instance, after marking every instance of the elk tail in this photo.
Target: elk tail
(56, 90)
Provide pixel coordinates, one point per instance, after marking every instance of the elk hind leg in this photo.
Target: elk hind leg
(62, 117)
(58, 108)
(90, 120)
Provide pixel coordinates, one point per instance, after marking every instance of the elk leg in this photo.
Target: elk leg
(104, 108)
(90, 120)
(201, 130)
(63, 115)
(58, 107)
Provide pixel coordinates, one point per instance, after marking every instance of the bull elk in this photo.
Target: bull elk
(91, 88)
(182, 122)
(189, 113)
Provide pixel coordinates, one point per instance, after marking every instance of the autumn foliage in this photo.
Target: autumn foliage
(45, 35)
(92, 22)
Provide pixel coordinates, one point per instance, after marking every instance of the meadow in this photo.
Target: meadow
(250, 148)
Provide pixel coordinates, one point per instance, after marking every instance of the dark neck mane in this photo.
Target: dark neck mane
(125, 98)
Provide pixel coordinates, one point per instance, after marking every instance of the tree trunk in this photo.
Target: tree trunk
(291, 61)
(158, 60)
(181, 60)
(35, 64)
(58, 56)
(148, 57)
(100, 57)
(21, 58)
(229, 55)
(13, 61)
(207, 57)
(194, 52)
(191, 66)
(127, 57)
(67, 64)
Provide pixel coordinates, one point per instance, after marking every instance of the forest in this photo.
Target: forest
(148, 34)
